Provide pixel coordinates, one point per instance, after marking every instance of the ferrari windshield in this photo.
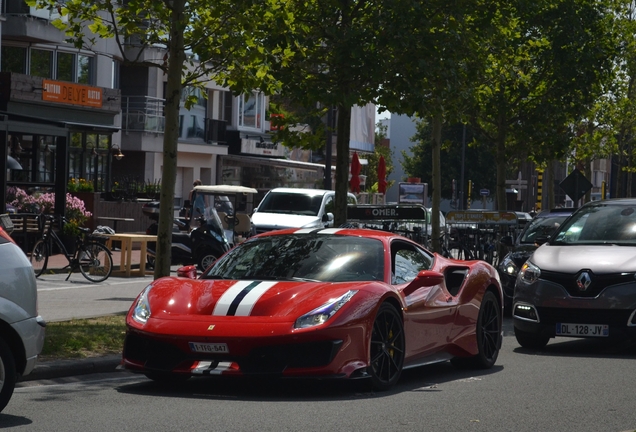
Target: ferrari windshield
(325, 258)
(599, 224)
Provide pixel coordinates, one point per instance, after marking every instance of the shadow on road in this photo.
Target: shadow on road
(422, 379)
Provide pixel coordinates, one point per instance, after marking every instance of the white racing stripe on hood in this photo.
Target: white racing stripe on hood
(317, 231)
(248, 302)
(244, 308)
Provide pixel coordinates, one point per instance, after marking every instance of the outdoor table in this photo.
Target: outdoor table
(115, 220)
(125, 262)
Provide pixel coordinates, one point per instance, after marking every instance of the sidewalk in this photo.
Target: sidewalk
(57, 263)
(66, 368)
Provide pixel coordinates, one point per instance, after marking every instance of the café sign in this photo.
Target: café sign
(71, 94)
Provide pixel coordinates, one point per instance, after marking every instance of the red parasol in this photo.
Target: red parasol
(354, 183)
(382, 175)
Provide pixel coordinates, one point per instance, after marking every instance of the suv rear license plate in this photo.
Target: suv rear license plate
(213, 348)
(588, 330)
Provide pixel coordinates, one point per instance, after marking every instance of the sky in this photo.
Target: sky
(384, 115)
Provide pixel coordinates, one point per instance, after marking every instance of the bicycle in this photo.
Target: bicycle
(93, 259)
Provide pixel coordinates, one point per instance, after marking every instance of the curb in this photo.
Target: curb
(66, 368)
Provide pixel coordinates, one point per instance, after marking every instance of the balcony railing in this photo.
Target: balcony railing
(143, 114)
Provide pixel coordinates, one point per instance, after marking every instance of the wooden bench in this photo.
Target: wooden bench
(26, 230)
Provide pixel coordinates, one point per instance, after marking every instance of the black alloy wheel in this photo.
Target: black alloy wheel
(488, 333)
(387, 348)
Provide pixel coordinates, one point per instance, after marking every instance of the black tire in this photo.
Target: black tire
(206, 258)
(39, 257)
(530, 340)
(488, 333)
(8, 374)
(95, 262)
(386, 348)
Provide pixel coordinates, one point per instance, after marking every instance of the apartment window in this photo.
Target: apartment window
(250, 110)
(13, 59)
(85, 69)
(41, 63)
(65, 66)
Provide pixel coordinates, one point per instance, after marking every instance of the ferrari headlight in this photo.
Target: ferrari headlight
(508, 266)
(141, 313)
(529, 273)
(323, 313)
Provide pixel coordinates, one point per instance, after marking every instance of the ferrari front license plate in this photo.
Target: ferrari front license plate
(213, 348)
(588, 330)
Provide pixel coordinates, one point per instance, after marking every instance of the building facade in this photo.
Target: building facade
(70, 113)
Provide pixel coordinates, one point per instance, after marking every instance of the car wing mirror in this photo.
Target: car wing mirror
(541, 239)
(425, 278)
(189, 271)
(327, 217)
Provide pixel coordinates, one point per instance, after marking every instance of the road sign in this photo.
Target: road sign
(484, 192)
(576, 185)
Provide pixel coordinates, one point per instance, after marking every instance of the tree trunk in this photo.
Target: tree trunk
(436, 181)
(342, 164)
(176, 59)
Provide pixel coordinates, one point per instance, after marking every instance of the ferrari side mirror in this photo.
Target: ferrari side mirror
(189, 272)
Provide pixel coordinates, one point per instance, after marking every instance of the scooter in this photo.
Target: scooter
(201, 244)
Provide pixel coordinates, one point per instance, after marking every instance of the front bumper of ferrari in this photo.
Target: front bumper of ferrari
(326, 353)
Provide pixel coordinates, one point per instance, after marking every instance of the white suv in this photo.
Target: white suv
(21, 328)
(296, 208)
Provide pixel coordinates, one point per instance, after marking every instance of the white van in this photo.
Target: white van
(296, 208)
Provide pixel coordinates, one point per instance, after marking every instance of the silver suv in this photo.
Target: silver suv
(21, 328)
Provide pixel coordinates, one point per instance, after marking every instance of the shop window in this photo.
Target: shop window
(13, 59)
(41, 63)
(89, 159)
(45, 172)
(65, 66)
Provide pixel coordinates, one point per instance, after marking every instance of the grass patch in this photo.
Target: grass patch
(82, 338)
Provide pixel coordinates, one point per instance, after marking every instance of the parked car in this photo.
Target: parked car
(531, 237)
(21, 328)
(296, 208)
(582, 281)
(330, 303)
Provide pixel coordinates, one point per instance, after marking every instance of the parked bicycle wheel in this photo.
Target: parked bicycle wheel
(95, 262)
(39, 257)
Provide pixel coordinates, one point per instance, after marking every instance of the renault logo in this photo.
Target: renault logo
(583, 281)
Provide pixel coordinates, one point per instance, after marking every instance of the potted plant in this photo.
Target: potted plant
(76, 214)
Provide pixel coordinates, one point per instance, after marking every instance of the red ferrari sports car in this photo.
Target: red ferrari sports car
(324, 303)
